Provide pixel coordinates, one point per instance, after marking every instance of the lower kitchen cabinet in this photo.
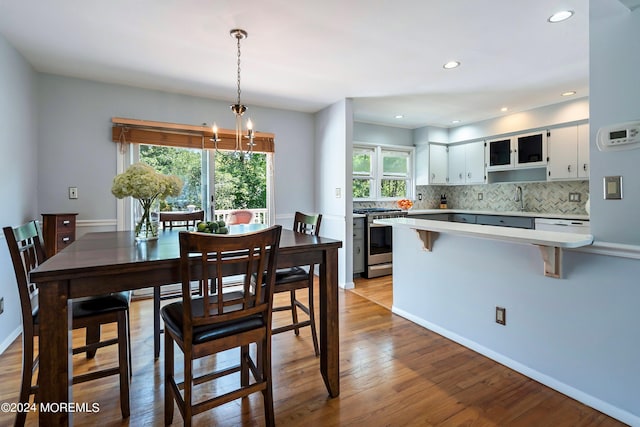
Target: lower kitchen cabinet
(505, 221)
(358, 245)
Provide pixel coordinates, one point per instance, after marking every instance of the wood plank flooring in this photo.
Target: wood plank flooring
(393, 373)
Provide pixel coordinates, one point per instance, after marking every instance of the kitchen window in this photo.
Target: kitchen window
(382, 172)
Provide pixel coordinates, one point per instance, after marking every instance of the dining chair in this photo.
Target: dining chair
(169, 221)
(180, 219)
(241, 216)
(292, 279)
(218, 321)
(27, 252)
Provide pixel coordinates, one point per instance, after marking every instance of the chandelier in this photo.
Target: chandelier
(238, 109)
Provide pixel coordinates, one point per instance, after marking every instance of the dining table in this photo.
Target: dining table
(103, 262)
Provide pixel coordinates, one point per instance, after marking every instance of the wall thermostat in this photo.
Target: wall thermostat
(623, 136)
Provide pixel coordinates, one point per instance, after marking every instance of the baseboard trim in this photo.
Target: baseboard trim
(580, 396)
(10, 339)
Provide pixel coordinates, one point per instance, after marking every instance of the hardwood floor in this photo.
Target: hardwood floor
(393, 373)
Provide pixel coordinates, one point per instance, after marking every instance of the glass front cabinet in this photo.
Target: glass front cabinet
(518, 151)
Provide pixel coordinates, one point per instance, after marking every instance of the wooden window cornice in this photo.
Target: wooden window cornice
(182, 135)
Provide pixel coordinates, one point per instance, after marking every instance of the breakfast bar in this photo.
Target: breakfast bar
(551, 243)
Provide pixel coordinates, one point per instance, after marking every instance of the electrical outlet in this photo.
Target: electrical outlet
(73, 192)
(1, 305)
(501, 315)
(480, 196)
(420, 196)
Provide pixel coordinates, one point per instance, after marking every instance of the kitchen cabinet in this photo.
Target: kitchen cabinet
(520, 151)
(568, 149)
(422, 163)
(506, 221)
(466, 163)
(467, 218)
(438, 164)
(583, 150)
(58, 231)
(358, 245)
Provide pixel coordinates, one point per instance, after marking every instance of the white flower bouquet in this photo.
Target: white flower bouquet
(142, 182)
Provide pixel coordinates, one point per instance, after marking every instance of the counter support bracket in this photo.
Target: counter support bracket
(552, 257)
(427, 239)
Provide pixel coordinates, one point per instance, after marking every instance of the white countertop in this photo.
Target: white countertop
(517, 235)
(505, 213)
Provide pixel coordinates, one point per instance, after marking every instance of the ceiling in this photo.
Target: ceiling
(304, 55)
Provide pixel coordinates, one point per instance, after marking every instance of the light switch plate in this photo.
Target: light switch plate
(612, 187)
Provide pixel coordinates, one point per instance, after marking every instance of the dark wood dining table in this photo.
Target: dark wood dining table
(104, 262)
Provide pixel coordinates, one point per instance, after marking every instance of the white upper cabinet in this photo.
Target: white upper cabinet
(583, 151)
(475, 163)
(568, 153)
(438, 164)
(457, 168)
(422, 163)
(466, 163)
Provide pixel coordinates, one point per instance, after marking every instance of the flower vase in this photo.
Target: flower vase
(147, 220)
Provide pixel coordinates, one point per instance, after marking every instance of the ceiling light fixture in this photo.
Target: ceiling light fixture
(455, 121)
(569, 93)
(451, 64)
(399, 116)
(503, 109)
(238, 109)
(560, 16)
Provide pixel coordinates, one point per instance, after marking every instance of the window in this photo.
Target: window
(382, 172)
(237, 182)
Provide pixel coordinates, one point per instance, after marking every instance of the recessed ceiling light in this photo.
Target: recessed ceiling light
(503, 109)
(569, 93)
(560, 16)
(399, 116)
(451, 64)
(455, 121)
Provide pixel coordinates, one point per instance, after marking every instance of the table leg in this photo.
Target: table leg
(156, 322)
(329, 331)
(56, 369)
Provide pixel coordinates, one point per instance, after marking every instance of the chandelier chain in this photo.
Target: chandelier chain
(238, 38)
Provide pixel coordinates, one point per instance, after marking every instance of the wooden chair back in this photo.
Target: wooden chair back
(181, 219)
(240, 217)
(27, 252)
(251, 257)
(307, 224)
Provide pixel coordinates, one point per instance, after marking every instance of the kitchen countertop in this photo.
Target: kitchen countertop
(505, 213)
(517, 235)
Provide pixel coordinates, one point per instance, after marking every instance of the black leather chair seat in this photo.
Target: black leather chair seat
(92, 306)
(172, 315)
(289, 275)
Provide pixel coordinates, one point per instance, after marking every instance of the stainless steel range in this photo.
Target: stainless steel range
(378, 241)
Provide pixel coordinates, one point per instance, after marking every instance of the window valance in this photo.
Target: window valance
(137, 131)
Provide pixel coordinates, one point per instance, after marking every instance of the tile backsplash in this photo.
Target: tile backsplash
(543, 197)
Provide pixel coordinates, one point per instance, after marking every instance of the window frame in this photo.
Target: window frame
(377, 173)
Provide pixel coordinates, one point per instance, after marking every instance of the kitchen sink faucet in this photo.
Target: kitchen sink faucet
(519, 198)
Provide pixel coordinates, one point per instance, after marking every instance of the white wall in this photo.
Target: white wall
(76, 147)
(383, 135)
(334, 131)
(18, 171)
(543, 117)
(615, 97)
(578, 334)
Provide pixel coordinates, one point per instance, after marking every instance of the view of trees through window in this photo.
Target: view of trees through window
(240, 183)
(381, 173)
